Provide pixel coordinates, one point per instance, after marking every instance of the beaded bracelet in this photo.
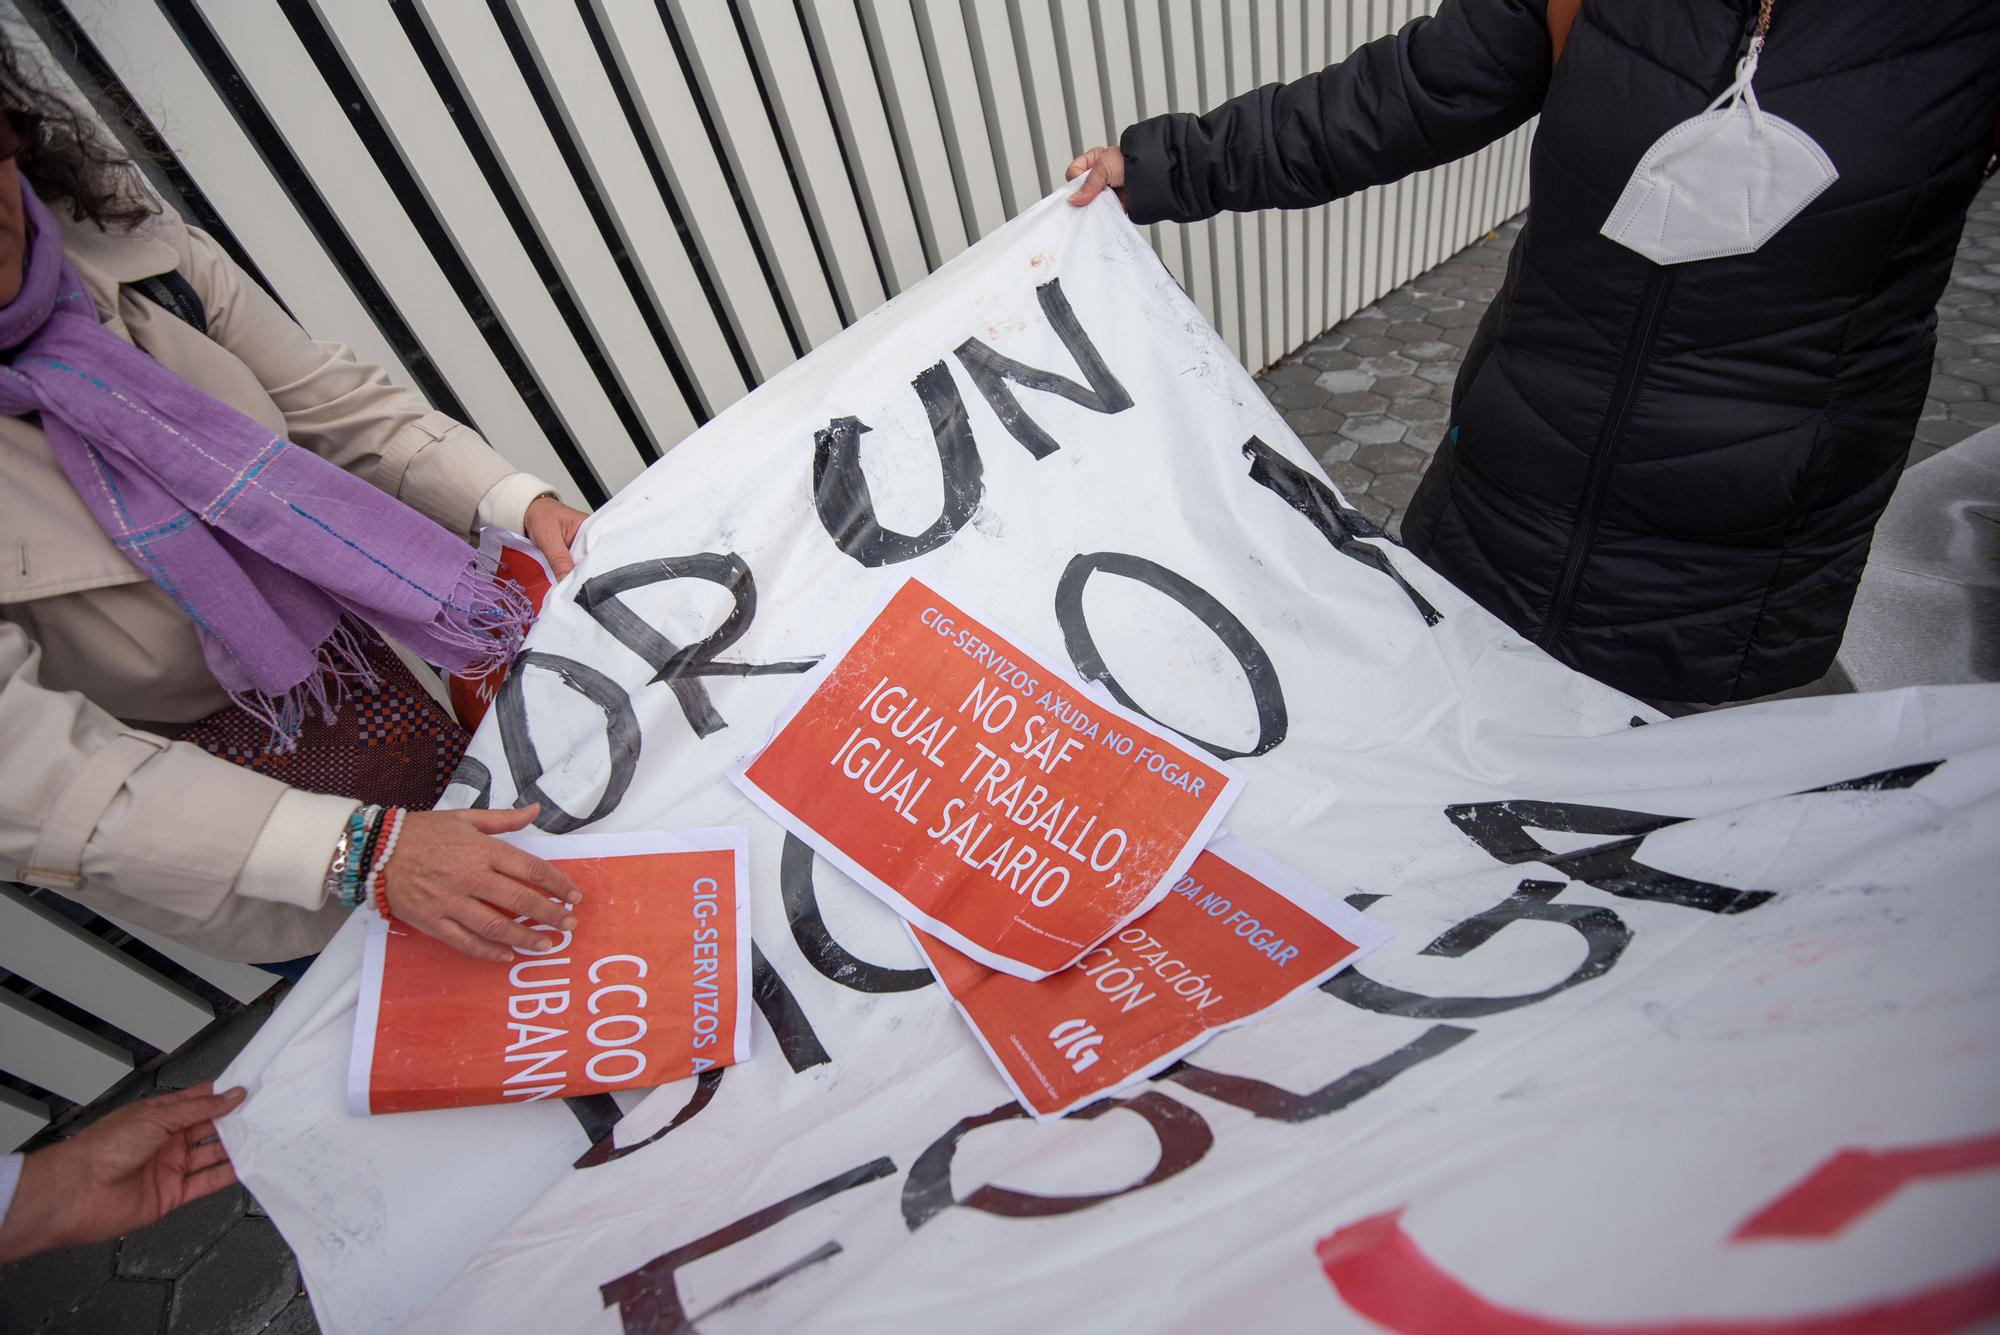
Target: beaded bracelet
(375, 886)
(343, 874)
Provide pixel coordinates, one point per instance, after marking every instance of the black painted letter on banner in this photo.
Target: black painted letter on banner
(682, 668)
(1501, 828)
(795, 1034)
(1604, 934)
(1339, 525)
(621, 737)
(991, 371)
(1272, 719)
(600, 1123)
(816, 943)
(847, 507)
(1278, 1104)
(649, 1300)
(1184, 1138)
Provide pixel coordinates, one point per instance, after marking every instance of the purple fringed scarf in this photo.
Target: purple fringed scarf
(263, 544)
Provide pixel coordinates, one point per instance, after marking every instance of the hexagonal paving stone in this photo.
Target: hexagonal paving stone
(1436, 301)
(1414, 331)
(1330, 450)
(1949, 389)
(1941, 432)
(1419, 411)
(37, 1287)
(1374, 509)
(1351, 478)
(1289, 372)
(1357, 405)
(1313, 421)
(1436, 350)
(1462, 337)
(1346, 382)
(1296, 396)
(1330, 359)
(296, 1319)
(1980, 414)
(1373, 346)
(244, 1280)
(1398, 311)
(1968, 332)
(1395, 488)
(126, 1306)
(165, 1249)
(1441, 373)
(1390, 364)
(1457, 319)
(1389, 456)
(1404, 387)
(1372, 431)
(1978, 370)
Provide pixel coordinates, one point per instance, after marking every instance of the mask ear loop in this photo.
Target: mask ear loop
(1739, 90)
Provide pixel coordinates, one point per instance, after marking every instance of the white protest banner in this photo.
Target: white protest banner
(1053, 821)
(1648, 978)
(1239, 934)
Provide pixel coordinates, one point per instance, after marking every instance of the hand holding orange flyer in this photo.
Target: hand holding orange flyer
(651, 986)
(1240, 933)
(980, 791)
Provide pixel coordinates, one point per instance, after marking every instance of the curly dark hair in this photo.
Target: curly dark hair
(70, 159)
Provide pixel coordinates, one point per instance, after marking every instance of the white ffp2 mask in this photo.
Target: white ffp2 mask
(1721, 183)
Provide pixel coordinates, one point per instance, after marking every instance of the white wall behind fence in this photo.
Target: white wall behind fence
(589, 225)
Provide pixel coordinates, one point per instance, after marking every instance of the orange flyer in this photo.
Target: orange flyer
(653, 985)
(514, 558)
(981, 791)
(1240, 933)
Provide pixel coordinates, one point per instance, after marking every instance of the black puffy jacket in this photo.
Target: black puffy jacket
(1665, 476)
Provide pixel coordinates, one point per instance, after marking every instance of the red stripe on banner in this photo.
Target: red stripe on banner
(1385, 1277)
(1853, 1182)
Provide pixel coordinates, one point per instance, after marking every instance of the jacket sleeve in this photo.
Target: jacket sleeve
(1446, 85)
(349, 412)
(87, 802)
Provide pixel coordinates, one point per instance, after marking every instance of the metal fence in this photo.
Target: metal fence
(587, 226)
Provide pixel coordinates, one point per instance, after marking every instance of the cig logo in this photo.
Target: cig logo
(1074, 1039)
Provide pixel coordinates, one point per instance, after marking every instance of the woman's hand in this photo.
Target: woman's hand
(449, 878)
(120, 1173)
(1099, 167)
(552, 527)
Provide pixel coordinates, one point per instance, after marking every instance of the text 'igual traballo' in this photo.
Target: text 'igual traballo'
(892, 753)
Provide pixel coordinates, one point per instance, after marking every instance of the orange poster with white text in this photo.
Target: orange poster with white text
(980, 791)
(1240, 933)
(515, 559)
(651, 986)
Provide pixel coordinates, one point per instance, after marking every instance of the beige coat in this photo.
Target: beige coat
(95, 803)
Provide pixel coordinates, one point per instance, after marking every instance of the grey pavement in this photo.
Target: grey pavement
(1369, 398)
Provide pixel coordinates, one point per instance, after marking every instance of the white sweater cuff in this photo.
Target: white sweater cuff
(505, 504)
(288, 863)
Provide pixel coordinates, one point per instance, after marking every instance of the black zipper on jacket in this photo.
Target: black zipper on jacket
(1597, 481)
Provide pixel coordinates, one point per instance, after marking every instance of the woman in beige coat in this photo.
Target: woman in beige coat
(100, 668)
